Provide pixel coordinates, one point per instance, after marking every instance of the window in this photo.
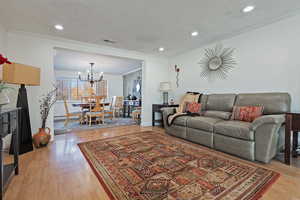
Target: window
(73, 89)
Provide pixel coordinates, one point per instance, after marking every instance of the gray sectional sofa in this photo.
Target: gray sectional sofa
(258, 140)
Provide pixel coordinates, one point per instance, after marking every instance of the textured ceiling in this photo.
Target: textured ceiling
(68, 60)
(143, 25)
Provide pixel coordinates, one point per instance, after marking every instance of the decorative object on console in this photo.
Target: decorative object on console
(20, 74)
(177, 70)
(165, 87)
(217, 62)
(47, 101)
(172, 101)
(91, 76)
(247, 113)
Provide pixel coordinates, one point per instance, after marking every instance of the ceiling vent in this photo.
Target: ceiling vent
(109, 41)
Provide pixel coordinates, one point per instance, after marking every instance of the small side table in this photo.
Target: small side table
(156, 109)
(292, 121)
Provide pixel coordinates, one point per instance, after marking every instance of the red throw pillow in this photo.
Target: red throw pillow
(193, 107)
(247, 113)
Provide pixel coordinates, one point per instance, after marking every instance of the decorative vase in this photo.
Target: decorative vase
(42, 138)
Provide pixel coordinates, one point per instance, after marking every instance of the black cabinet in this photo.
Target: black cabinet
(9, 125)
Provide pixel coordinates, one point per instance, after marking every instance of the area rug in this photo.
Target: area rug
(74, 125)
(149, 165)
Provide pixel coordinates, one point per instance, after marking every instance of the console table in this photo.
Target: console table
(8, 125)
(156, 109)
(128, 106)
(292, 125)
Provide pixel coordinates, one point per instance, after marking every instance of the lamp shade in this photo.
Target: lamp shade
(20, 74)
(165, 86)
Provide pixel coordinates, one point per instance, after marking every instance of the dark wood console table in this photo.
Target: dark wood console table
(156, 109)
(292, 126)
(8, 125)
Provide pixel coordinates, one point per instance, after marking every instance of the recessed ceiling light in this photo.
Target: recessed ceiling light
(195, 33)
(59, 27)
(248, 9)
(161, 49)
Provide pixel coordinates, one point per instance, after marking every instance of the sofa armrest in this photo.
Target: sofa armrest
(267, 119)
(266, 130)
(166, 112)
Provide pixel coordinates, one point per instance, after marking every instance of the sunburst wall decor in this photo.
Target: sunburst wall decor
(217, 62)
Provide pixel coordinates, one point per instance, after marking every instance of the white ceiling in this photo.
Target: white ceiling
(76, 61)
(143, 25)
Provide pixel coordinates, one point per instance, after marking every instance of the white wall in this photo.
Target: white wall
(268, 61)
(37, 50)
(3, 39)
(114, 83)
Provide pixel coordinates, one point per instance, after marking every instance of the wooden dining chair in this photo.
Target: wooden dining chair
(110, 112)
(136, 114)
(118, 105)
(68, 115)
(96, 110)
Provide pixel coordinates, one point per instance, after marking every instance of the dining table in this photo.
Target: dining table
(87, 105)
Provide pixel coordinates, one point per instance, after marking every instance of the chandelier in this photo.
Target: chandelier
(91, 76)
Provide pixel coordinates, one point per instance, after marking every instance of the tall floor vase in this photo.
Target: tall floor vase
(25, 140)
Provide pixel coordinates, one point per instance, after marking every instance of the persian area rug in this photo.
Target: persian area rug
(149, 165)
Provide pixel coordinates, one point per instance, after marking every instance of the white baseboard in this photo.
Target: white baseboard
(146, 124)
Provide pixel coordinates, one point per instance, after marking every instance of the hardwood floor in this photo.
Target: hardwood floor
(60, 172)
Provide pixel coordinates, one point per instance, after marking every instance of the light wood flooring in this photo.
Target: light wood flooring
(60, 172)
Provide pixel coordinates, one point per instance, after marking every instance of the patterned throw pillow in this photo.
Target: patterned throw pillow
(193, 107)
(246, 113)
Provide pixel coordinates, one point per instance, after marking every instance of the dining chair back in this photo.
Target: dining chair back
(136, 114)
(119, 102)
(96, 105)
(117, 105)
(68, 115)
(96, 109)
(66, 105)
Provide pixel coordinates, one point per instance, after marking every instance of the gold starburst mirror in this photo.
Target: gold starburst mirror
(217, 62)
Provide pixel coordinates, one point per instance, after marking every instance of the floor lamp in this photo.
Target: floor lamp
(22, 75)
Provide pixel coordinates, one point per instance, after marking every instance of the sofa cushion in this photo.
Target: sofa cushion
(217, 114)
(193, 107)
(220, 102)
(235, 129)
(202, 123)
(273, 103)
(180, 121)
(246, 113)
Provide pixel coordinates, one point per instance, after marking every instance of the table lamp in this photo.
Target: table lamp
(165, 87)
(22, 75)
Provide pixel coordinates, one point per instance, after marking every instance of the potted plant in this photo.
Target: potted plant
(47, 101)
